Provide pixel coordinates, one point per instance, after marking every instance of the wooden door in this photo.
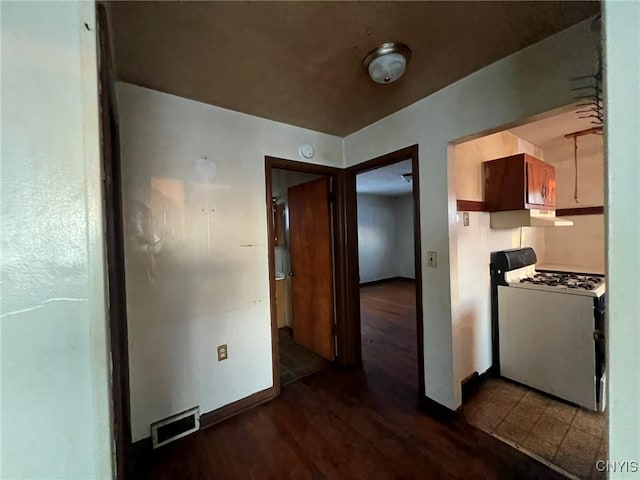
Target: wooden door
(311, 265)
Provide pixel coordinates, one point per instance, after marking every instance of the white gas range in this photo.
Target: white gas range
(549, 328)
(588, 284)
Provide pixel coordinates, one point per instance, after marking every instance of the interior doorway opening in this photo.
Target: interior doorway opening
(538, 346)
(389, 272)
(302, 255)
(301, 260)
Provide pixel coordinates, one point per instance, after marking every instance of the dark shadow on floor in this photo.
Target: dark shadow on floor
(296, 361)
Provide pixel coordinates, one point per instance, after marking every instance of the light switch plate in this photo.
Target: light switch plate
(465, 219)
(432, 259)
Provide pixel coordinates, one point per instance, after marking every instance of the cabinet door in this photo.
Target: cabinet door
(550, 175)
(541, 184)
(505, 184)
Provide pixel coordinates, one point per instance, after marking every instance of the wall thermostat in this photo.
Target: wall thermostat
(306, 151)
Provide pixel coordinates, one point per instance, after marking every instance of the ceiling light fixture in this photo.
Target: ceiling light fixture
(407, 177)
(387, 63)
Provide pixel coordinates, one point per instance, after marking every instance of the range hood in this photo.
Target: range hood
(528, 218)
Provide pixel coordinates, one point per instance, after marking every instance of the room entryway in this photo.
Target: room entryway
(301, 249)
(543, 383)
(388, 255)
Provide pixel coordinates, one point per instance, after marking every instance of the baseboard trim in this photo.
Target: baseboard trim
(235, 408)
(472, 384)
(437, 411)
(386, 280)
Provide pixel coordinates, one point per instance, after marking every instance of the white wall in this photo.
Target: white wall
(527, 83)
(196, 249)
(376, 237)
(405, 253)
(55, 418)
(475, 243)
(622, 71)
(385, 237)
(580, 247)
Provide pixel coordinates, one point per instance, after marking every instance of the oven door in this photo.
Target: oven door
(547, 342)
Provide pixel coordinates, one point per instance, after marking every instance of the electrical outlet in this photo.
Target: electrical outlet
(465, 219)
(432, 259)
(222, 352)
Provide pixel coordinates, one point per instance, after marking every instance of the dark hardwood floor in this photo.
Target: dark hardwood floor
(357, 424)
(388, 326)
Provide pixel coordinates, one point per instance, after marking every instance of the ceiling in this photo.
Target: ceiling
(301, 62)
(552, 129)
(386, 181)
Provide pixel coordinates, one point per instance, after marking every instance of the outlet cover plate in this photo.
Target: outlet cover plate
(222, 352)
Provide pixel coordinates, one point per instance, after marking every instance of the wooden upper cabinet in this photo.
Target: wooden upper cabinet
(519, 182)
(541, 183)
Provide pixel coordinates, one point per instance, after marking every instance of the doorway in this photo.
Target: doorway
(565, 427)
(301, 264)
(388, 261)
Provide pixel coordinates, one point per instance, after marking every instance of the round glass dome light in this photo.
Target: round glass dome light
(387, 63)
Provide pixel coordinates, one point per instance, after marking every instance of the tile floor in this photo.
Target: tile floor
(567, 436)
(295, 360)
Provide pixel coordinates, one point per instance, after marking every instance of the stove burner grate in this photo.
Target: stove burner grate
(564, 280)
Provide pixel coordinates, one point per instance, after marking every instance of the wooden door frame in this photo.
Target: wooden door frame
(351, 227)
(339, 253)
(114, 251)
